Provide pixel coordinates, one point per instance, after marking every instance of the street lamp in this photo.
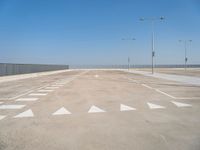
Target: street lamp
(185, 47)
(152, 20)
(132, 39)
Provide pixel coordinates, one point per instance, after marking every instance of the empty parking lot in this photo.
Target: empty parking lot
(99, 109)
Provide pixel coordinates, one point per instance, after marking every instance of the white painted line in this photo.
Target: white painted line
(154, 106)
(21, 94)
(38, 94)
(27, 99)
(2, 117)
(147, 86)
(11, 106)
(1, 102)
(61, 111)
(165, 93)
(27, 92)
(96, 76)
(51, 87)
(95, 109)
(60, 83)
(187, 97)
(45, 90)
(126, 108)
(57, 85)
(63, 83)
(178, 104)
(27, 113)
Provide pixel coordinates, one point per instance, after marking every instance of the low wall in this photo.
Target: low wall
(131, 66)
(13, 69)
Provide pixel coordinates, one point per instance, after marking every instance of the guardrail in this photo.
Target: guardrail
(13, 69)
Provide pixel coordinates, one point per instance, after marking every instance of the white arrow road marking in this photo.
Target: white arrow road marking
(27, 113)
(27, 99)
(61, 111)
(126, 108)
(38, 94)
(11, 106)
(1, 117)
(95, 109)
(178, 104)
(154, 106)
(45, 90)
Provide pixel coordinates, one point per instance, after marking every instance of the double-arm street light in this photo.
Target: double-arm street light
(152, 20)
(131, 39)
(185, 48)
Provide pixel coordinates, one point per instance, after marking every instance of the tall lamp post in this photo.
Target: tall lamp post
(185, 48)
(132, 39)
(152, 20)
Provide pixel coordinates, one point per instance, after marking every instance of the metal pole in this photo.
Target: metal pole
(128, 63)
(185, 55)
(128, 56)
(153, 53)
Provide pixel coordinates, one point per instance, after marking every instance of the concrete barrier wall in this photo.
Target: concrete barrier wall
(131, 66)
(13, 69)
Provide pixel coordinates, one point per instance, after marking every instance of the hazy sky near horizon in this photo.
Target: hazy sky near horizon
(83, 32)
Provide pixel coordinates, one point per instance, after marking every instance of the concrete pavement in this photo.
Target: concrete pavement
(178, 78)
(99, 109)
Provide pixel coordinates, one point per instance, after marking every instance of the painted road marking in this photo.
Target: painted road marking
(38, 94)
(62, 111)
(187, 97)
(11, 106)
(29, 91)
(1, 102)
(178, 104)
(27, 99)
(27, 113)
(96, 76)
(60, 83)
(147, 86)
(51, 87)
(126, 108)
(173, 97)
(57, 85)
(94, 109)
(2, 117)
(154, 106)
(165, 93)
(45, 90)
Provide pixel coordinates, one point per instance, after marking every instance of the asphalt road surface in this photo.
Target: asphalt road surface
(99, 110)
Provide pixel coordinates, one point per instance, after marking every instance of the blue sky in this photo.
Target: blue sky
(90, 31)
